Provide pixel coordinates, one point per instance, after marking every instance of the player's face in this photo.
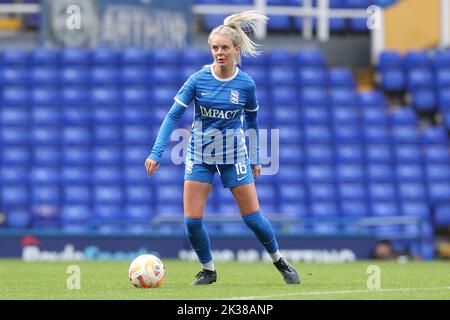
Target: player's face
(223, 51)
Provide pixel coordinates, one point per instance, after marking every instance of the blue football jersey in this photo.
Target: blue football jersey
(217, 134)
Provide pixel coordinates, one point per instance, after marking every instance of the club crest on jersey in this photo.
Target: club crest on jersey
(234, 97)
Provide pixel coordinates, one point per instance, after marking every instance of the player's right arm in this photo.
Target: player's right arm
(184, 96)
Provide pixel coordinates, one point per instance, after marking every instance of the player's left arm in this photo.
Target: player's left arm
(251, 118)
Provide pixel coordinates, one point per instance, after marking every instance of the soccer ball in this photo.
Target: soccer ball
(147, 271)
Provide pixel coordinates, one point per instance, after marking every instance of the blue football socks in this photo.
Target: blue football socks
(263, 230)
(199, 240)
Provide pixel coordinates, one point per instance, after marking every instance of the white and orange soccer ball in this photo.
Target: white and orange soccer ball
(147, 271)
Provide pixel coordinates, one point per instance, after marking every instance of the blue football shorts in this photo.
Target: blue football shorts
(231, 175)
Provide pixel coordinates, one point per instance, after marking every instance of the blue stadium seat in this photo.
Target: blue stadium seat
(74, 96)
(197, 57)
(107, 174)
(15, 195)
(354, 208)
(107, 155)
(278, 23)
(408, 153)
(437, 153)
(135, 56)
(390, 58)
(163, 96)
(170, 174)
(342, 97)
(258, 74)
(439, 192)
(312, 76)
(107, 114)
(424, 99)
(76, 214)
(17, 135)
(287, 115)
(382, 191)
(291, 153)
(344, 115)
(169, 194)
(310, 57)
(380, 172)
(416, 208)
(403, 116)
(104, 96)
(135, 97)
(18, 218)
(356, 3)
(46, 155)
(374, 98)
(444, 99)
(374, 116)
(267, 194)
(135, 154)
(284, 95)
(298, 209)
(79, 135)
(135, 75)
(412, 191)
(135, 175)
(393, 80)
(47, 56)
(352, 191)
(379, 153)
(347, 134)
(292, 192)
(107, 194)
(103, 56)
(325, 228)
(319, 173)
(349, 153)
(137, 134)
(15, 116)
(377, 134)
(139, 194)
(384, 208)
(77, 155)
(15, 96)
(75, 175)
(107, 134)
(416, 58)
(13, 76)
(47, 194)
(313, 96)
(358, 24)
(324, 209)
(437, 171)
(405, 134)
(322, 192)
(350, 172)
(420, 78)
(15, 155)
(441, 58)
(409, 172)
(45, 175)
(139, 212)
(104, 76)
(77, 194)
(165, 57)
(290, 134)
(281, 75)
(42, 76)
(317, 134)
(280, 57)
(319, 153)
(442, 215)
(48, 135)
(340, 77)
(74, 75)
(13, 56)
(435, 135)
(290, 174)
(443, 77)
(75, 57)
(316, 115)
(164, 75)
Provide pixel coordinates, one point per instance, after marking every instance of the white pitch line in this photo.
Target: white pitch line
(312, 293)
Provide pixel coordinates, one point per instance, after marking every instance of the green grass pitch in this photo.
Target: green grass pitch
(260, 280)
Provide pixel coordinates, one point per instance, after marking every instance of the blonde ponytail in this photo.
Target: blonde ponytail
(234, 25)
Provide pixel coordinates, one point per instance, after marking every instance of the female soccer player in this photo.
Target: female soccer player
(223, 95)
